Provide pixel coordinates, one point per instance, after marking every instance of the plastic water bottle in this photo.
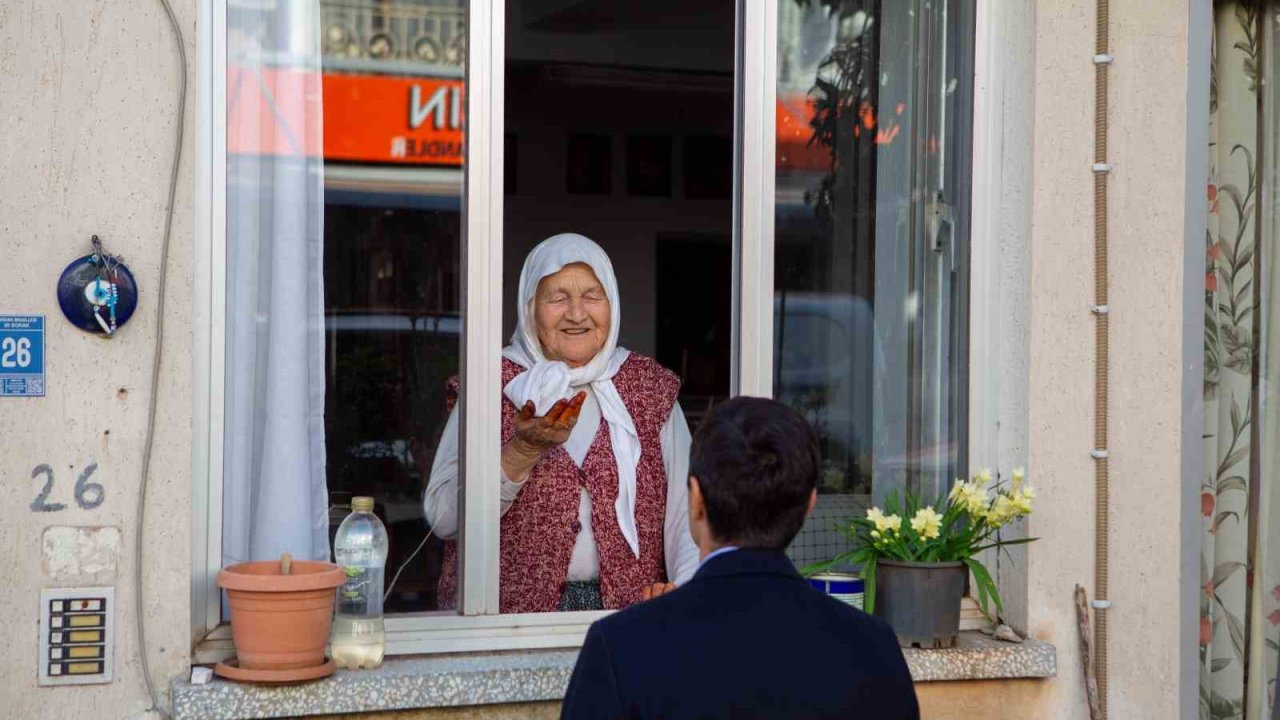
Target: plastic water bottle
(360, 548)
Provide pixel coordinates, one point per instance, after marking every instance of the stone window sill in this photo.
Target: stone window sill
(404, 683)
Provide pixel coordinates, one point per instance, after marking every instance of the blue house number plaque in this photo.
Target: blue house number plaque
(22, 355)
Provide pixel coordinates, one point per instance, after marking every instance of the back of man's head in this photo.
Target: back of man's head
(756, 462)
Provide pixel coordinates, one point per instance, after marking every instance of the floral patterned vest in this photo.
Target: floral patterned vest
(541, 527)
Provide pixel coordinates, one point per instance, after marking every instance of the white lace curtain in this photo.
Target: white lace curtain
(274, 491)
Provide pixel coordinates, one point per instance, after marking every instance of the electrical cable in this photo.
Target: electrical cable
(391, 585)
(140, 515)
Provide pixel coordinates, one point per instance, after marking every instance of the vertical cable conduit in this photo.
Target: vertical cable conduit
(1102, 520)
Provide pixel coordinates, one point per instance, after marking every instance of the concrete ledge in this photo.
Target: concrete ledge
(406, 683)
(979, 657)
(400, 684)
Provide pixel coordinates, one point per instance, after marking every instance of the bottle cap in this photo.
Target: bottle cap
(362, 504)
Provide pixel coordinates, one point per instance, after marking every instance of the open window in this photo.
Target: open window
(782, 187)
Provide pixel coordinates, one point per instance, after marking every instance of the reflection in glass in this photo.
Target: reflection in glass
(393, 187)
(871, 245)
(344, 134)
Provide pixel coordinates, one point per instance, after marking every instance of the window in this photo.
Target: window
(368, 220)
(871, 246)
(342, 129)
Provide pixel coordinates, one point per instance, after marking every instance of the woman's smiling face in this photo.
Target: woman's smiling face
(572, 314)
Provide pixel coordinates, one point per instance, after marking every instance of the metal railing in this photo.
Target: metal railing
(367, 33)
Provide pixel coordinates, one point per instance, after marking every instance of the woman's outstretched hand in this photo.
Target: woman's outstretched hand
(551, 429)
(536, 435)
(649, 592)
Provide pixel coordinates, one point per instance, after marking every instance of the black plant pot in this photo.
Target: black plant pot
(921, 601)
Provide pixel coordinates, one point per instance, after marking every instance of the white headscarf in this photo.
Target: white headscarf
(547, 381)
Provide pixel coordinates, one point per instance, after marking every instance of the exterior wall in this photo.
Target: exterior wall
(86, 139)
(85, 149)
(1148, 240)
(1000, 257)
(988, 699)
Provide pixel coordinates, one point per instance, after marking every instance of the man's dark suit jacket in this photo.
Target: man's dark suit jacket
(745, 638)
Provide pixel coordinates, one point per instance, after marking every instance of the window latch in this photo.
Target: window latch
(936, 213)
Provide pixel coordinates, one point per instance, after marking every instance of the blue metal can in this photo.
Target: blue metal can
(841, 586)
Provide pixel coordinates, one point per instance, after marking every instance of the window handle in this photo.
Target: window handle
(937, 212)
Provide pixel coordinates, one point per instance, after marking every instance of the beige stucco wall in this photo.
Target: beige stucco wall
(1149, 190)
(86, 137)
(84, 148)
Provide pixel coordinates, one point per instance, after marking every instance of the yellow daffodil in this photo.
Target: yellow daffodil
(884, 523)
(1021, 499)
(1002, 511)
(927, 522)
(971, 496)
(893, 523)
(977, 501)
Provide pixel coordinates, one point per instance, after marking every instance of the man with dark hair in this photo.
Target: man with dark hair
(746, 637)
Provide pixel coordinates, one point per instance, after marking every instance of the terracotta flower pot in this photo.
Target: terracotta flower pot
(280, 622)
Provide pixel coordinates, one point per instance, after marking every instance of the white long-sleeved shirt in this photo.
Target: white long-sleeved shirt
(440, 503)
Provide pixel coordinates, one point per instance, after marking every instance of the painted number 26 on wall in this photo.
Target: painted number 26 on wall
(88, 494)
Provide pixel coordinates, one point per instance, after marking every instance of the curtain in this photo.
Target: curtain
(1240, 600)
(274, 493)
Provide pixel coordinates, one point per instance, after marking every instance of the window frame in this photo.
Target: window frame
(479, 626)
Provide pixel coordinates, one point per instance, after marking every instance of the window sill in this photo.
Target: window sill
(979, 657)
(405, 683)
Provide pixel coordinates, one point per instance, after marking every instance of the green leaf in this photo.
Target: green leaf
(869, 586)
(1235, 482)
(1219, 663)
(1222, 516)
(982, 595)
(1234, 194)
(1002, 543)
(1243, 290)
(985, 585)
(815, 568)
(1223, 571)
(1230, 461)
(1236, 630)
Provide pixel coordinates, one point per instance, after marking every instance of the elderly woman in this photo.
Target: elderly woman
(595, 451)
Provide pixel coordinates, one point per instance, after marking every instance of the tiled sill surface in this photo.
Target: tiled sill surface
(529, 676)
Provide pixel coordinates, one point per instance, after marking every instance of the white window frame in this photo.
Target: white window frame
(479, 626)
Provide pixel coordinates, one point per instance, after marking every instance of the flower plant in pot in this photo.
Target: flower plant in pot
(915, 557)
(281, 612)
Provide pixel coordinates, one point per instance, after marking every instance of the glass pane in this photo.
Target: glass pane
(871, 245)
(344, 192)
(619, 117)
